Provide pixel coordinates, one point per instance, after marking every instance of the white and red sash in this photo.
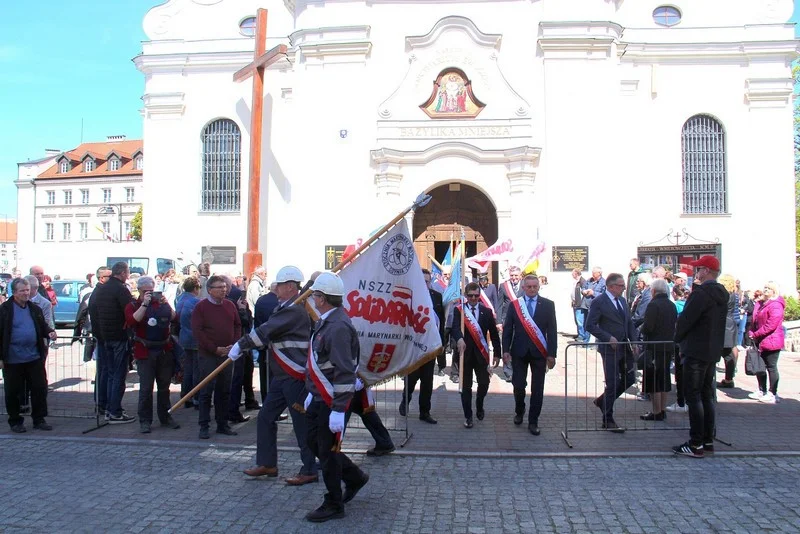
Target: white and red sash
(509, 290)
(475, 331)
(486, 302)
(324, 386)
(292, 369)
(531, 327)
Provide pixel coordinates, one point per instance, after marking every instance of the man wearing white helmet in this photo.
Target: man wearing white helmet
(286, 333)
(331, 379)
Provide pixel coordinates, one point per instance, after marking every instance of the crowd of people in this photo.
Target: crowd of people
(184, 326)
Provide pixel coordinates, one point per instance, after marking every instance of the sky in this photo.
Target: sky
(66, 72)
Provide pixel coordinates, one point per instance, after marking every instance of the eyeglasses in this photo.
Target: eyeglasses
(473, 295)
(217, 287)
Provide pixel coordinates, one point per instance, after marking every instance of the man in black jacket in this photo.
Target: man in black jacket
(700, 331)
(107, 310)
(22, 350)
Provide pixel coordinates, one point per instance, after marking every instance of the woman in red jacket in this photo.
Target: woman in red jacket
(768, 335)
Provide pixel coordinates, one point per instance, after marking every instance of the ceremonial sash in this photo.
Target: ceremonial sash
(292, 369)
(531, 328)
(509, 290)
(324, 386)
(475, 331)
(486, 302)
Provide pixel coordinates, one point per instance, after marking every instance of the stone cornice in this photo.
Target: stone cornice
(743, 51)
(185, 62)
(340, 44)
(458, 23)
(769, 92)
(163, 105)
(576, 39)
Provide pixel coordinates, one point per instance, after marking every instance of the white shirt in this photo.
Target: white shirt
(614, 300)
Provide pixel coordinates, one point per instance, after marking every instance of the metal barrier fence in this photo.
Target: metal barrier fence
(585, 381)
(69, 378)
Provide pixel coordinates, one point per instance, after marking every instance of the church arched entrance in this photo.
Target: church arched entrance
(452, 207)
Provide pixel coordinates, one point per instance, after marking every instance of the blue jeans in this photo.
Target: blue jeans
(580, 321)
(740, 330)
(112, 368)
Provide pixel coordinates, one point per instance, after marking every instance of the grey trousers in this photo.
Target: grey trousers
(283, 392)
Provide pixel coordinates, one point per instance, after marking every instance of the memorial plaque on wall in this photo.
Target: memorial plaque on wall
(219, 255)
(333, 255)
(568, 258)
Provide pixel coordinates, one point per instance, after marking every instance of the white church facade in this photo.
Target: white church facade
(606, 128)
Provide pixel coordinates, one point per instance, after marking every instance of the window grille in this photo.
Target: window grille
(221, 171)
(705, 176)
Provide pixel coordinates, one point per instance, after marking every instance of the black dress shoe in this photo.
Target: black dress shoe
(428, 419)
(379, 451)
(650, 416)
(534, 429)
(480, 414)
(518, 419)
(725, 384)
(468, 423)
(238, 418)
(350, 491)
(402, 409)
(612, 426)
(326, 512)
(228, 431)
(252, 405)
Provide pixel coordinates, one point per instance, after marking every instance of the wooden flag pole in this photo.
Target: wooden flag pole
(202, 384)
(420, 201)
(433, 260)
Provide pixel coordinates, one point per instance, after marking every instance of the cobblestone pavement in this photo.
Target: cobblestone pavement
(70, 485)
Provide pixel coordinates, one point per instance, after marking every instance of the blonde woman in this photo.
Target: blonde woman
(768, 335)
(730, 353)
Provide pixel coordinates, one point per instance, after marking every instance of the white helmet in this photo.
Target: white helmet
(289, 273)
(329, 284)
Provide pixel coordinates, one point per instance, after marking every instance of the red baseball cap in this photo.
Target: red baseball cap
(709, 262)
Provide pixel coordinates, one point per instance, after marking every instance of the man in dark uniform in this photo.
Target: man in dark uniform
(287, 334)
(489, 291)
(509, 291)
(477, 320)
(424, 374)
(530, 337)
(331, 381)
(438, 310)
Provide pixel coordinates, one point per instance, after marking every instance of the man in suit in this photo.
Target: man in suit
(424, 374)
(509, 291)
(472, 341)
(530, 338)
(610, 322)
(490, 296)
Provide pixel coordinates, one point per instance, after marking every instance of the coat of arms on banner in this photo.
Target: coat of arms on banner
(390, 307)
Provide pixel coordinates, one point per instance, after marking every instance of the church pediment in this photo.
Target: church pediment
(454, 73)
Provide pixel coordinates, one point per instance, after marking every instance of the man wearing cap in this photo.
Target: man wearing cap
(331, 382)
(285, 335)
(701, 331)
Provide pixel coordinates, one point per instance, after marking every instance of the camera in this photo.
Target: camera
(156, 295)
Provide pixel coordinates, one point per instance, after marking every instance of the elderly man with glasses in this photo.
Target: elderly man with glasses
(216, 327)
(472, 342)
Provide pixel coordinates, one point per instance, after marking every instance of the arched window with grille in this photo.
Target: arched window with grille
(705, 177)
(222, 171)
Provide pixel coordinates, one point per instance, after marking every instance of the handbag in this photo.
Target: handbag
(753, 362)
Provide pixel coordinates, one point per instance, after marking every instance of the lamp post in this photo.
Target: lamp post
(111, 209)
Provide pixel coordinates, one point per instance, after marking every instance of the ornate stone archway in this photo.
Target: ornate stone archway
(452, 207)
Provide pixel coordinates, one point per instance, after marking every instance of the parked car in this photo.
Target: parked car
(67, 294)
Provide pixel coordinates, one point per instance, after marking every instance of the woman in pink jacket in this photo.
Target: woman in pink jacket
(768, 335)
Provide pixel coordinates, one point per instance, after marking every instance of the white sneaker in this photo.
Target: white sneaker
(675, 407)
(777, 399)
(756, 395)
(768, 398)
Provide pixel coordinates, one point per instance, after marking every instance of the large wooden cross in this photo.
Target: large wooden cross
(261, 60)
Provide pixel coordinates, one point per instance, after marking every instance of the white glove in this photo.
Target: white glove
(307, 402)
(235, 352)
(359, 384)
(336, 422)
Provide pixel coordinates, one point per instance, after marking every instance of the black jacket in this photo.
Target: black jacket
(701, 325)
(7, 319)
(659, 322)
(604, 322)
(487, 323)
(516, 340)
(107, 310)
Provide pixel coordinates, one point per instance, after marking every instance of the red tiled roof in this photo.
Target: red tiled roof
(125, 149)
(8, 231)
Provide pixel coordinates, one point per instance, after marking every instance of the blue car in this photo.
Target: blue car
(67, 295)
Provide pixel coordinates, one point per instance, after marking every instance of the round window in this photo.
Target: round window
(248, 27)
(667, 15)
